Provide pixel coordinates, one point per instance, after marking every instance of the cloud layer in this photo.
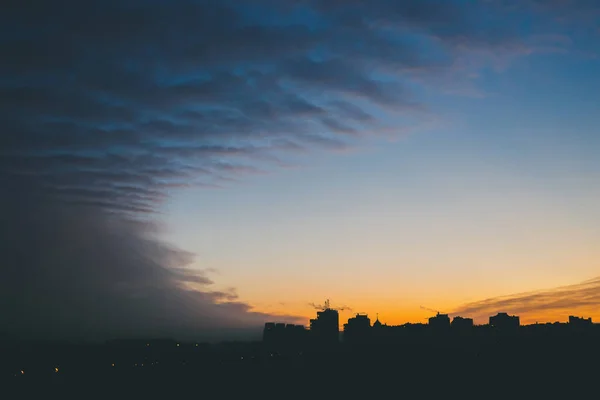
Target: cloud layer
(107, 107)
(543, 306)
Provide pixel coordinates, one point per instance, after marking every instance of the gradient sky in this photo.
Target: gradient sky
(195, 166)
(495, 192)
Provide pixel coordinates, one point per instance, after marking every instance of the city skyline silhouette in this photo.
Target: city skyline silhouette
(183, 181)
(443, 348)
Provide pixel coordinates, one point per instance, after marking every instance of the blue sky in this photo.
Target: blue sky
(516, 167)
(224, 163)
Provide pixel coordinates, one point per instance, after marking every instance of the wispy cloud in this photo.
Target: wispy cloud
(175, 89)
(107, 107)
(553, 303)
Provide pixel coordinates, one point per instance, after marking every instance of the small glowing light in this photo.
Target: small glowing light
(147, 344)
(22, 372)
(142, 365)
(56, 369)
(177, 344)
(113, 364)
(196, 344)
(135, 365)
(241, 358)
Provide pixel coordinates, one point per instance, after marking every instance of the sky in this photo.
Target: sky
(196, 168)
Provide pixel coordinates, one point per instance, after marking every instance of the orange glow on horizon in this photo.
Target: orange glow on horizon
(397, 316)
(549, 305)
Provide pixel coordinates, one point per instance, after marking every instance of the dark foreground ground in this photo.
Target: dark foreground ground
(505, 368)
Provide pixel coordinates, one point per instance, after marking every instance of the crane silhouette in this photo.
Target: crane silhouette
(432, 310)
(327, 306)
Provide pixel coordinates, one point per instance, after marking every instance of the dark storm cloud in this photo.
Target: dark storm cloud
(351, 111)
(571, 16)
(559, 301)
(107, 107)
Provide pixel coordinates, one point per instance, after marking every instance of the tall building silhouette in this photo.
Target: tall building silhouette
(325, 329)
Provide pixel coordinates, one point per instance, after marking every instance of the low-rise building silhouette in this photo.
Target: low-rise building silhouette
(269, 332)
(439, 323)
(504, 322)
(284, 334)
(460, 324)
(580, 324)
(578, 321)
(324, 330)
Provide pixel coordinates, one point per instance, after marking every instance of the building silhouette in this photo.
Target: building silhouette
(325, 329)
(580, 322)
(269, 333)
(504, 322)
(377, 324)
(440, 331)
(439, 323)
(462, 325)
(281, 334)
(358, 329)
